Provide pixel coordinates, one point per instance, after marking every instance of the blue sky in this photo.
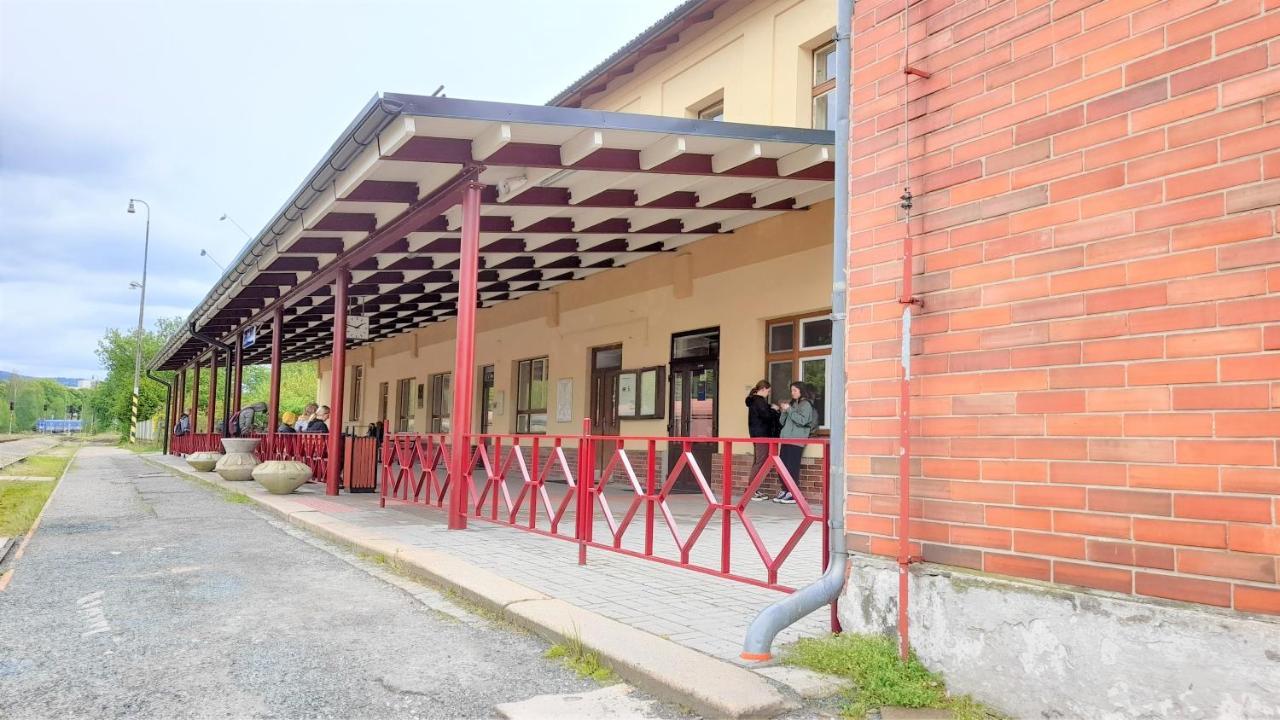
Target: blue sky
(204, 108)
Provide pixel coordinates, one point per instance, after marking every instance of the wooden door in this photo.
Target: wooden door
(606, 364)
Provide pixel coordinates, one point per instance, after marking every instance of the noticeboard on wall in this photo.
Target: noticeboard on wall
(640, 393)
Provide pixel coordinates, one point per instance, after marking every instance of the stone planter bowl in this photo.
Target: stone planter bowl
(281, 477)
(203, 461)
(239, 462)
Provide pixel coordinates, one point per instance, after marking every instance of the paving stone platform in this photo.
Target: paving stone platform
(703, 612)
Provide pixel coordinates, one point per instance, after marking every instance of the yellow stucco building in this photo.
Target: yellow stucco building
(713, 318)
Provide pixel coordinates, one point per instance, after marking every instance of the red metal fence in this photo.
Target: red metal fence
(685, 502)
(195, 442)
(649, 497)
(311, 449)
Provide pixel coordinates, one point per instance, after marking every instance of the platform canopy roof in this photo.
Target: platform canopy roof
(568, 193)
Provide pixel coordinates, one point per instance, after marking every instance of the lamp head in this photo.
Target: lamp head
(131, 210)
(224, 217)
(203, 252)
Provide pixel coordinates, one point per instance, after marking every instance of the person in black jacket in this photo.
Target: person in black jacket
(319, 424)
(762, 421)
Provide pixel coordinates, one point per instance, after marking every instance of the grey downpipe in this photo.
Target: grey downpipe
(226, 389)
(826, 589)
(168, 400)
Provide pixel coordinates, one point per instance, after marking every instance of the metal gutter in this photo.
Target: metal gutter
(587, 118)
(362, 131)
(826, 589)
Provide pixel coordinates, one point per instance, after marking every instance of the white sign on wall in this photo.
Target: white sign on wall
(564, 400)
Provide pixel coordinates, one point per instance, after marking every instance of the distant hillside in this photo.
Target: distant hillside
(65, 381)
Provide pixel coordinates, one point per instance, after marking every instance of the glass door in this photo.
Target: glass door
(694, 401)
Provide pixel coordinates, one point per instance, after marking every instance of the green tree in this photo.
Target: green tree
(298, 385)
(111, 400)
(36, 398)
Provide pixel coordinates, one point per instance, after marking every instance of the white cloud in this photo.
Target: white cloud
(205, 107)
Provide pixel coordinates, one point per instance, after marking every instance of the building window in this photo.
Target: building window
(799, 348)
(714, 111)
(441, 401)
(531, 396)
(357, 392)
(404, 404)
(824, 87)
(383, 390)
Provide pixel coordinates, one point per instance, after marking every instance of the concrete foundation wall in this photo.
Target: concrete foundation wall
(1036, 650)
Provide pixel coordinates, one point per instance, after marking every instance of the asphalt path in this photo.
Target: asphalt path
(144, 595)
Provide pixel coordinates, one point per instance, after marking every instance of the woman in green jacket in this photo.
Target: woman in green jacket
(799, 419)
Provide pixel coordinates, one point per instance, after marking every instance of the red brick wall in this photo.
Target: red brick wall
(1097, 359)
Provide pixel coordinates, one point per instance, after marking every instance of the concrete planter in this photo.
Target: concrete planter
(239, 462)
(203, 461)
(281, 477)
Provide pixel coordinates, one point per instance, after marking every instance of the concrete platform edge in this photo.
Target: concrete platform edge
(706, 685)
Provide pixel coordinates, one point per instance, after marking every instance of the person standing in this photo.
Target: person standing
(308, 414)
(183, 426)
(320, 423)
(799, 420)
(762, 422)
(247, 417)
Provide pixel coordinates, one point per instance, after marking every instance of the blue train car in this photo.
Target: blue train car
(58, 426)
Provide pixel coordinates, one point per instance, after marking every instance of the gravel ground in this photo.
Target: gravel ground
(143, 595)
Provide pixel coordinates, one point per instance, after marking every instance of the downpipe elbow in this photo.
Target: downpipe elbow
(782, 614)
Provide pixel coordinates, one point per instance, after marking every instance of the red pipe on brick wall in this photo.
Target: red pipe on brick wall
(904, 399)
(904, 440)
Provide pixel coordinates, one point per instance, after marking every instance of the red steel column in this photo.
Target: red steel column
(237, 385)
(180, 394)
(339, 371)
(464, 357)
(273, 404)
(213, 390)
(195, 396)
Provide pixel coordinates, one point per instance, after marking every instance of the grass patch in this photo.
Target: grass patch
(21, 501)
(381, 561)
(236, 498)
(141, 447)
(581, 660)
(20, 504)
(50, 464)
(880, 678)
(492, 616)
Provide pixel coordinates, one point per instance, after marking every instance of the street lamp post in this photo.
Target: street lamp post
(205, 253)
(142, 301)
(233, 222)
